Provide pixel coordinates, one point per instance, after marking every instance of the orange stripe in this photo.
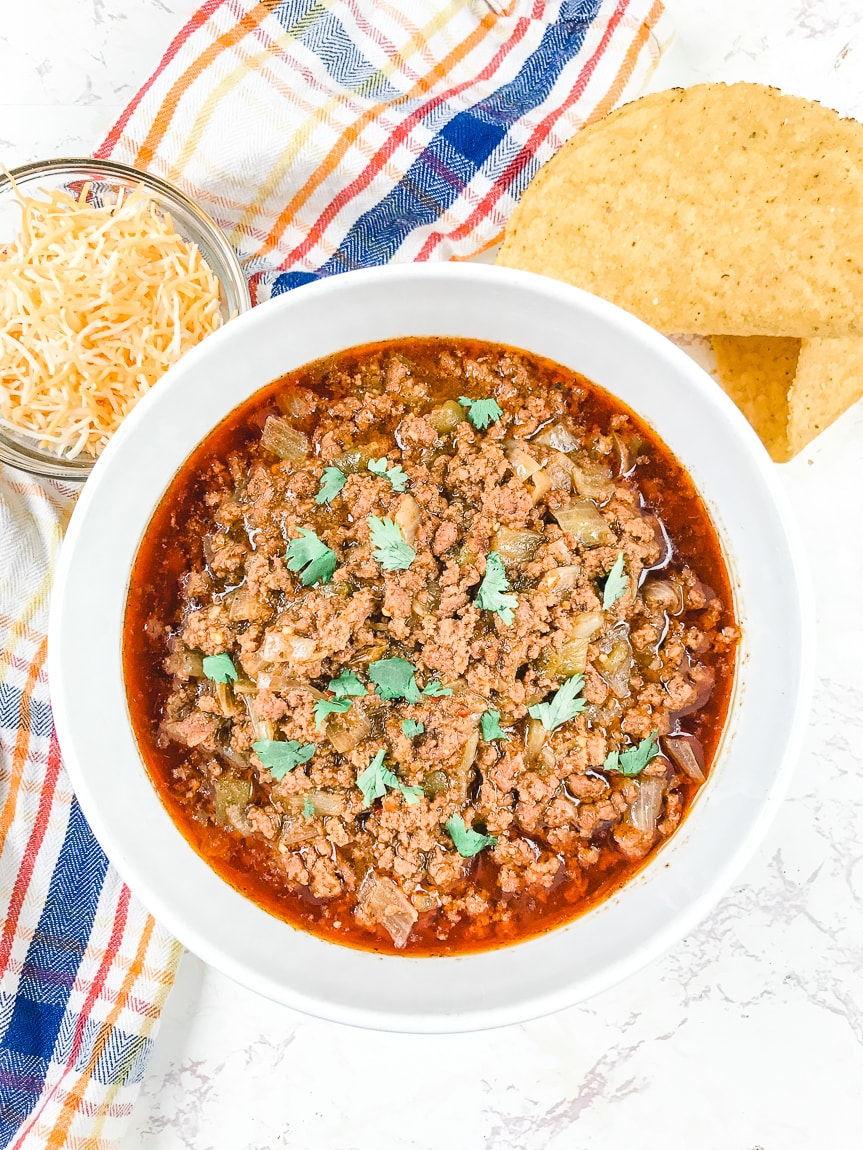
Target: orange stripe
(247, 65)
(94, 1140)
(179, 88)
(22, 743)
(57, 1138)
(350, 134)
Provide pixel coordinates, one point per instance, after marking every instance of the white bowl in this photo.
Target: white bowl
(677, 888)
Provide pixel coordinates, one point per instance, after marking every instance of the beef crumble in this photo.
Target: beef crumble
(561, 618)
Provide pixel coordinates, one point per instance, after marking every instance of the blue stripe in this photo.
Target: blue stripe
(41, 723)
(462, 145)
(343, 60)
(50, 967)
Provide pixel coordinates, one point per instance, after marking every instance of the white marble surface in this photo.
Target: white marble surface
(749, 1035)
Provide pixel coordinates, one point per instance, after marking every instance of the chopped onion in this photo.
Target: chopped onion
(469, 753)
(570, 660)
(426, 600)
(516, 547)
(242, 606)
(229, 791)
(346, 731)
(472, 700)
(184, 663)
(615, 665)
(297, 829)
(278, 679)
(521, 461)
(644, 812)
(382, 901)
(225, 698)
(560, 580)
(408, 518)
(559, 471)
(541, 485)
(582, 519)
(284, 440)
(324, 802)
(297, 402)
(587, 624)
(664, 595)
(685, 751)
(244, 687)
(233, 758)
(281, 647)
(559, 437)
(263, 728)
(591, 478)
(625, 462)
(536, 735)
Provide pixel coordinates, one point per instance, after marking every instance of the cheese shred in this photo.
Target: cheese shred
(96, 303)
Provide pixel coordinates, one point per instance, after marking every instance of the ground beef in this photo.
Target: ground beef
(562, 486)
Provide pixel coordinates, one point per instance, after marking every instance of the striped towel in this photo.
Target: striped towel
(323, 135)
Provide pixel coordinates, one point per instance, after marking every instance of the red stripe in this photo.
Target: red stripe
(197, 21)
(372, 169)
(22, 662)
(111, 950)
(28, 863)
(537, 137)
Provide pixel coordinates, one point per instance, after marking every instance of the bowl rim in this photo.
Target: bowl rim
(542, 1001)
(24, 456)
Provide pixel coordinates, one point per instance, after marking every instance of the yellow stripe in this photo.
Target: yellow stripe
(246, 66)
(415, 43)
(93, 1141)
(57, 1137)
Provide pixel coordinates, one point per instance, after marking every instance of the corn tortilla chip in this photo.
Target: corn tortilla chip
(790, 390)
(717, 209)
(829, 379)
(757, 372)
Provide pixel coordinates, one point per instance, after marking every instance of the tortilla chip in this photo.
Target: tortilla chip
(829, 380)
(717, 209)
(757, 373)
(790, 390)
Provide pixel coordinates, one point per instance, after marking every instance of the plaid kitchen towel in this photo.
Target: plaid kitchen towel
(323, 135)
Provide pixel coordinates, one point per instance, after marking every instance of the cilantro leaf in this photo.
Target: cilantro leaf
(346, 684)
(324, 707)
(394, 679)
(466, 840)
(633, 760)
(279, 757)
(391, 550)
(412, 795)
(434, 690)
(332, 481)
(413, 727)
(615, 584)
(376, 778)
(490, 596)
(481, 412)
(563, 706)
(396, 474)
(220, 668)
(308, 808)
(489, 721)
(309, 552)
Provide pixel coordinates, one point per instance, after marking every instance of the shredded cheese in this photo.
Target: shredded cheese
(96, 303)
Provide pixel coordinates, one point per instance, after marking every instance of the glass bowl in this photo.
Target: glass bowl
(105, 176)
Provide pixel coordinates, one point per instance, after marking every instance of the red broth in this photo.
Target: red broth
(478, 903)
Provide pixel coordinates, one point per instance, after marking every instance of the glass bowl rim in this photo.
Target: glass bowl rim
(42, 463)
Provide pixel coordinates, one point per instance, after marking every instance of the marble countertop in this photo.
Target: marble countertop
(749, 1034)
